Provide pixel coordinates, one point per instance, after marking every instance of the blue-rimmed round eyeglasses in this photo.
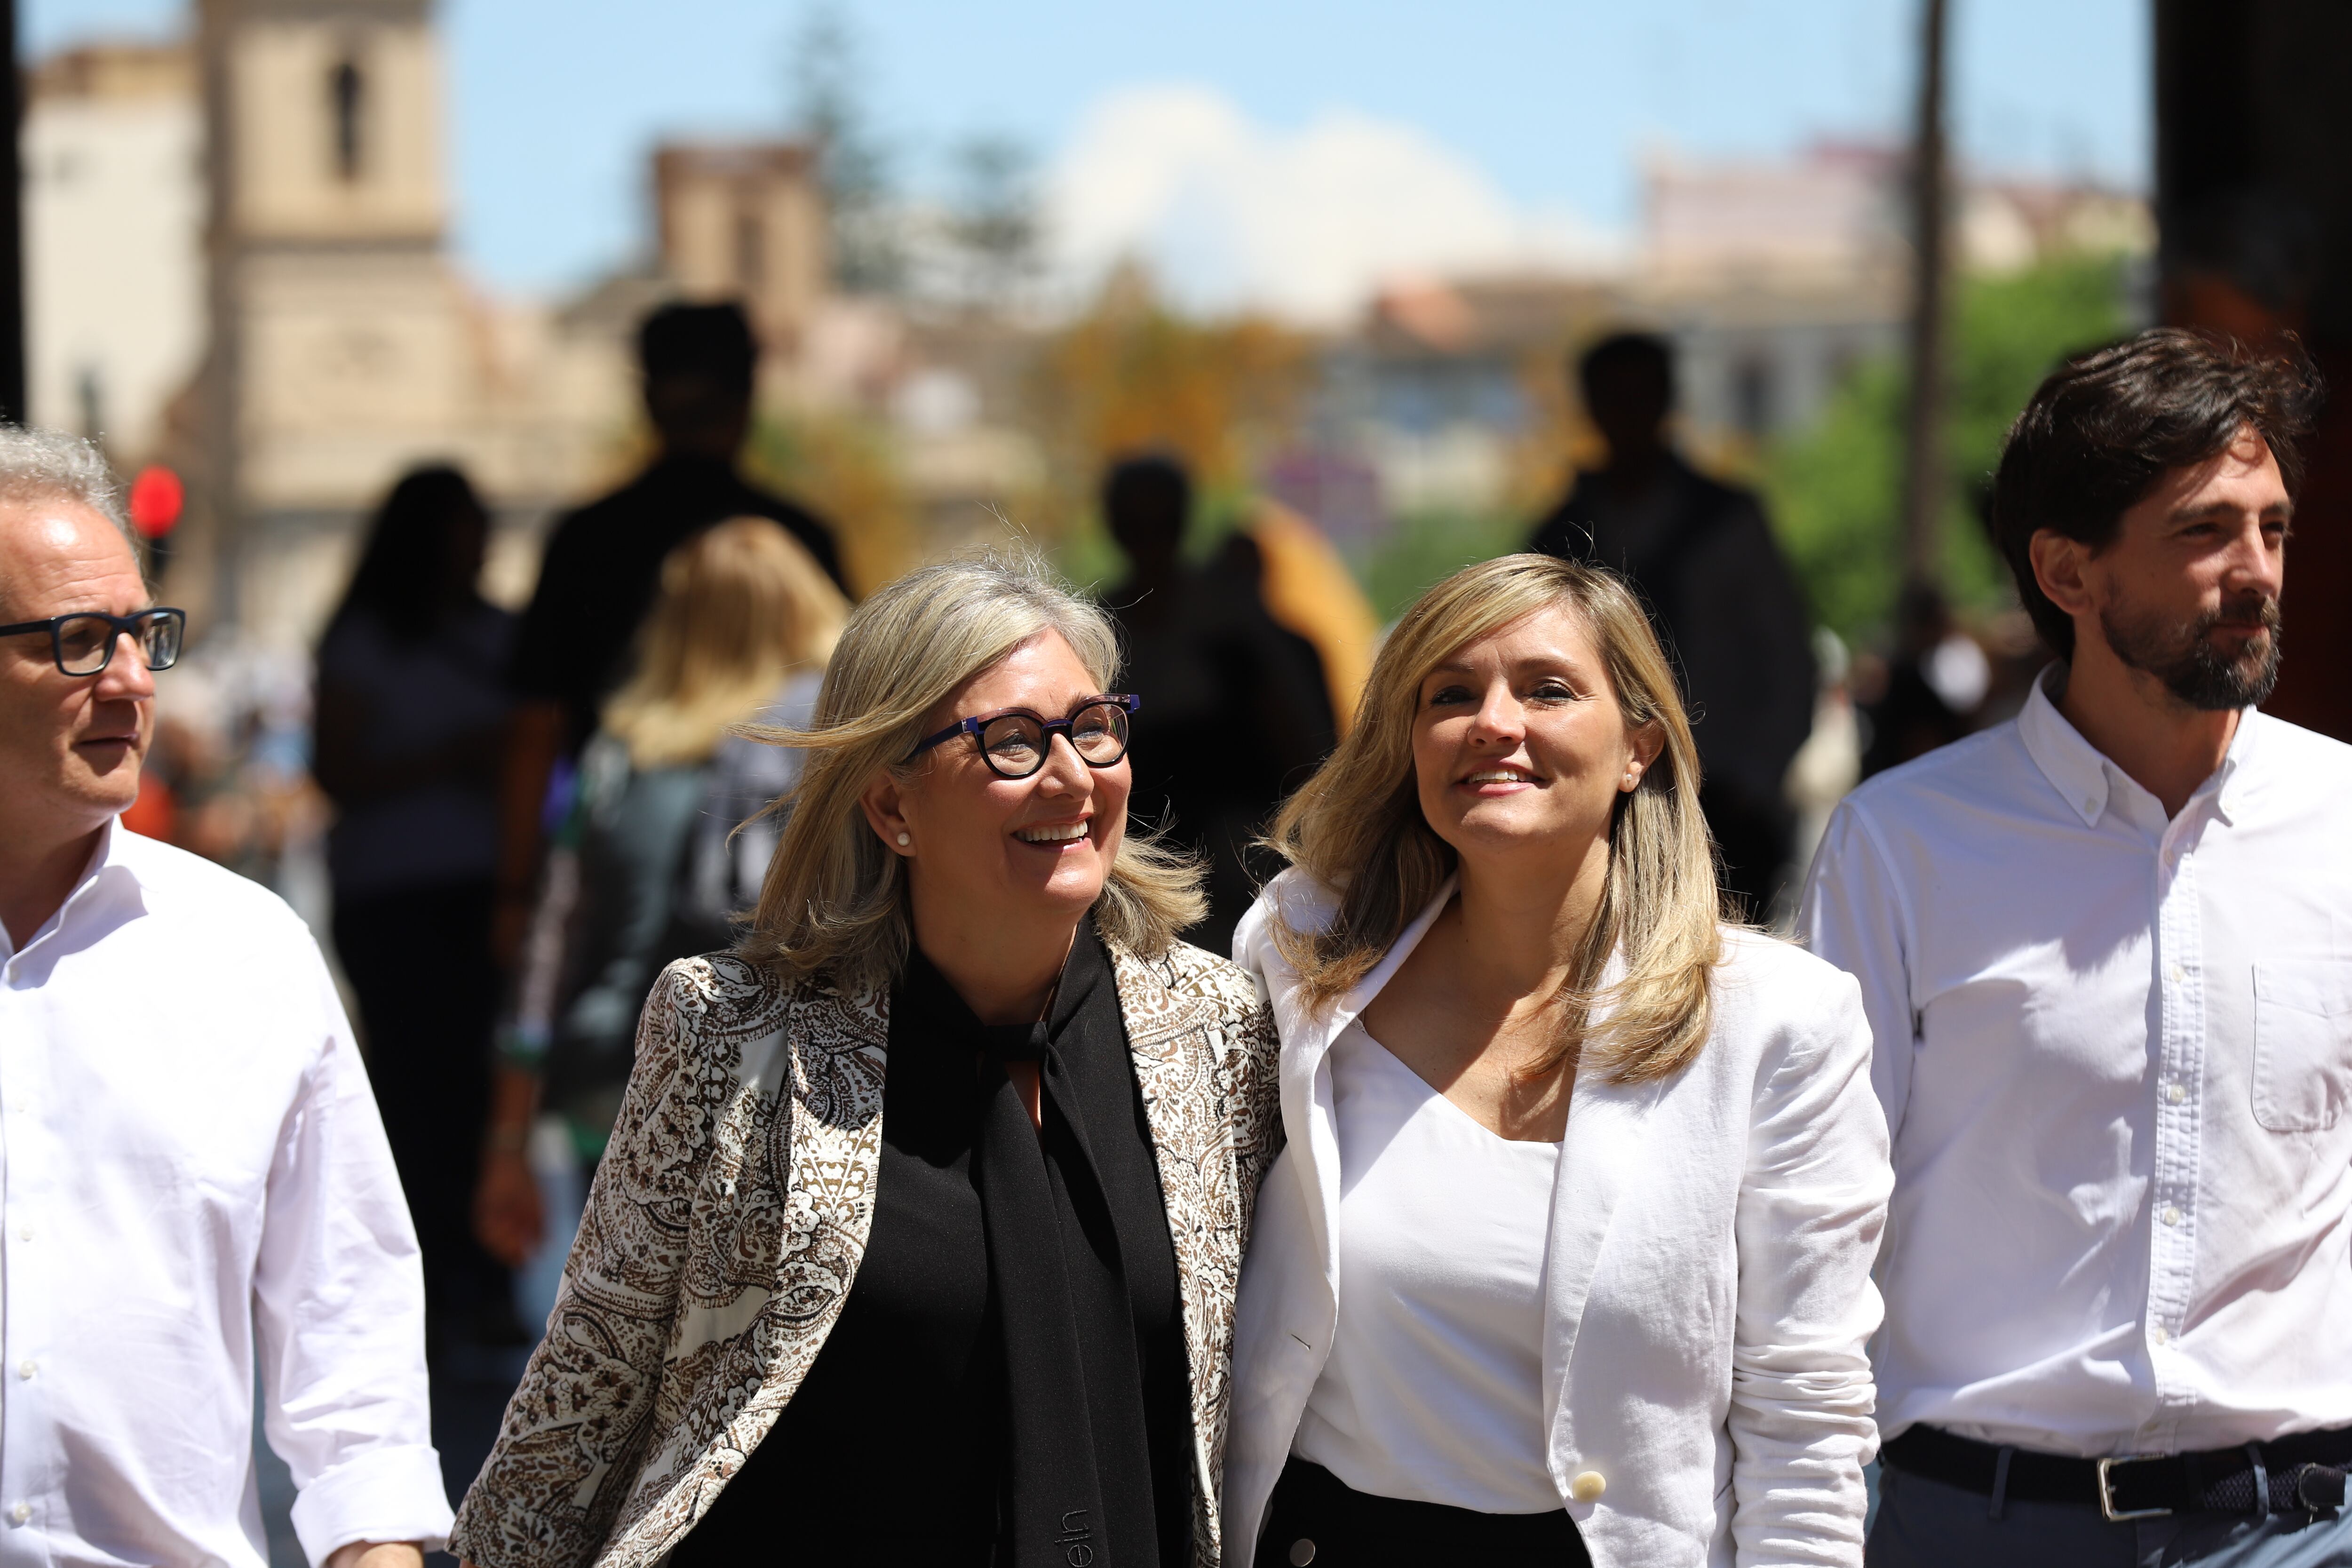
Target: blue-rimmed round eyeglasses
(1013, 744)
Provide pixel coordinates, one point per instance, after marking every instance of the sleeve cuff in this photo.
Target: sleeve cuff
(379, 1494)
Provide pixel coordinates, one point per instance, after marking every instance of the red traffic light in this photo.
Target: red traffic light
(156, 497)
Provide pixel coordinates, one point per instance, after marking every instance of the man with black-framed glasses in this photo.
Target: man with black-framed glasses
(193, 1183)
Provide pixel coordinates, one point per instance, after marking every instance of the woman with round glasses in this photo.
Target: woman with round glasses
(919, 1233)
(1567, 1256)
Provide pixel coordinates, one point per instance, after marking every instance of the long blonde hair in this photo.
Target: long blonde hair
(743, 605)
(834, 899)
(1357, 826)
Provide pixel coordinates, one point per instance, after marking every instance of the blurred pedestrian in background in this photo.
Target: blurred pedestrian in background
(648, 867)
(1237, 707)
(1935, 683)
(203, 1217)
(412, 706)
(1719, 593)
(1308, 588)
(603, 562)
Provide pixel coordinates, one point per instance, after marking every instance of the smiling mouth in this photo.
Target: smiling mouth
(1058, 832)
(1500, 775)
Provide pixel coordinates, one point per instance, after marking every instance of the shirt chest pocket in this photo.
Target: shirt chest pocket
(2303, 1046)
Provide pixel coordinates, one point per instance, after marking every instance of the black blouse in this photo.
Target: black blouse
(895, 1448)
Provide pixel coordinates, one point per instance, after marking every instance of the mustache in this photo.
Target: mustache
(2260, 613)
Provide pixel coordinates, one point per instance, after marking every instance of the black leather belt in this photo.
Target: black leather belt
(2301, 1474)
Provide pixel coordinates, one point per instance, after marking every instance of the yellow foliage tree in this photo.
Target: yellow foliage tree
(1132, 375)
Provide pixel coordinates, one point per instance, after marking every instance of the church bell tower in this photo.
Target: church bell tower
(338, 335)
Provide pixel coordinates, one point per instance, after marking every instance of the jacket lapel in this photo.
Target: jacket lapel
(743, 1351)
(1306, 1093)
(1173, 1041)
(747, 1353)
(1602, 1151)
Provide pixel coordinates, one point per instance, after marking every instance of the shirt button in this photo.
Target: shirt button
(2178, 974)
(27, 1368)
(23, 1233)
(2175, 1093)
(1588, 1487)
(1302, 1553)
(20, 1513)
(2160, 1335)
(2171, 1216)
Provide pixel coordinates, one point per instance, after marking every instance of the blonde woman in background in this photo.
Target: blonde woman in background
(1567, 1256)
(665, 840)
(918, 1234)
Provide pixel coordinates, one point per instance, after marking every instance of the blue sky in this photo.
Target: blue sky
(1553, 102)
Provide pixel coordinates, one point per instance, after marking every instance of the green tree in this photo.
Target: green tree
(1836, 489)
(828, 88)
(1425, 548)
(992, 218)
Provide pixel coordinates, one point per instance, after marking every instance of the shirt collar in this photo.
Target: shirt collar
(106, 865)
(2234, 779)
(2085, 777)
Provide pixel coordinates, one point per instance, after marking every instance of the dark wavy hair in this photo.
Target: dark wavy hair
(2107, 425)
(399, 575)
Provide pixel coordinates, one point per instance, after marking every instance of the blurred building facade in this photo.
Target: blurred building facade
(745, 221)
(114, 277)
(1772, 279)
(342, 345)
(238, 266)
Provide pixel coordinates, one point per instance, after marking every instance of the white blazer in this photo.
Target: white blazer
(1708, 1273)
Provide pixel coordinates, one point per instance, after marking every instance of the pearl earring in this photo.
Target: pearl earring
(906, 838)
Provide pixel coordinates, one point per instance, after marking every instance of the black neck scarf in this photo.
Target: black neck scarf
(1079, 1484)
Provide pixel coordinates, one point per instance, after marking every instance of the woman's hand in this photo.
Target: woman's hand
(377, 1555)
(510, 1217)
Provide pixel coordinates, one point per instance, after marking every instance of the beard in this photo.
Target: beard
(2191, 668)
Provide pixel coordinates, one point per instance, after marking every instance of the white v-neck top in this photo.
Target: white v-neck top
(1433, 1389)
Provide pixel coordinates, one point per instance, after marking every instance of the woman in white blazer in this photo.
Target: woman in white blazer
(1568, 1258)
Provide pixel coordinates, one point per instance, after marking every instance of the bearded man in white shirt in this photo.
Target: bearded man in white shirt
(193, 1183)
(2106, 952)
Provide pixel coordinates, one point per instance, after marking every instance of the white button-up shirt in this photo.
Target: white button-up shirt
(193, 1181)
(2115, 1052)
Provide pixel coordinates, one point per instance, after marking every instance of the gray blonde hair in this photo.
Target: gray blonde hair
(38, 465)
(1357, 826)
(834, 903)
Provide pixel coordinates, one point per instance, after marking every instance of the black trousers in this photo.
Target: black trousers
(1317, 1520)
(419, 963)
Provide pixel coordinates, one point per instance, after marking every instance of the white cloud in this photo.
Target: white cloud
(1229, 213)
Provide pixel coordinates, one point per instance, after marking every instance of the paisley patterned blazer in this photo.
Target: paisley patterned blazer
(728, 1216)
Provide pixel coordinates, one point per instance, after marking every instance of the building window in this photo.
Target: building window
(751, 251)
(347, 102)
(90, 391)
(1751, 396)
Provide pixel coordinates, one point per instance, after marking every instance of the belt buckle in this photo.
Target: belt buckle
(2107, 1497)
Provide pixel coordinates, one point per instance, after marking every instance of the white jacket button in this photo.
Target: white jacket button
(1588, 1487)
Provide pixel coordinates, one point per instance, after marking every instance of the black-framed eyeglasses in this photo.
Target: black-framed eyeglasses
(83, 642)
(1014, 745)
